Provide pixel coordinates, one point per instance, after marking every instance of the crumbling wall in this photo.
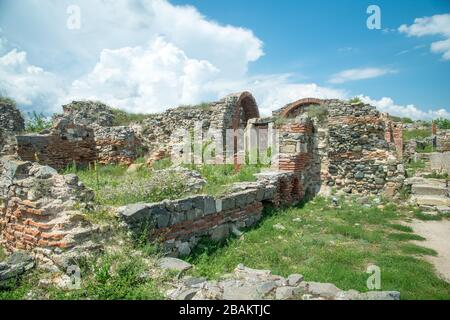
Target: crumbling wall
(159, 131)
(11, 122)
(359, 149)
(87, 113)
(360, 159)
(11, 119)
(37, 211)
(117, 145)
(66, 144)
(440, 162)
(179, 225)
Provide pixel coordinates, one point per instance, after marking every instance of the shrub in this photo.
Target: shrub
(355, 100)
(123, 118)
(442, 123)
(37, 122)
(320, 112)
(416, 134)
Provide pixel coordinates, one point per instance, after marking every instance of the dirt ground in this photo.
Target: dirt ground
(437, 234)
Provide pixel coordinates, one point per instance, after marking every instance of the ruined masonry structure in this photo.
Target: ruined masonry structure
(178, 225)
(37, 212)
(319, 144)
(360, 149)
(11, 122)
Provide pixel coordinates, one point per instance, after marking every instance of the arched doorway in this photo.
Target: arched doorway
(295, 108)
(244, 110)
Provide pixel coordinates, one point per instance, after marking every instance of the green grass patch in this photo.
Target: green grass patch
(410, 248)
(416, 134)
(400, 227)
(123, 118)
(428, 217)
(115, 186)
(329, 244)
(405, 237)
(111, 276)
(2, 254)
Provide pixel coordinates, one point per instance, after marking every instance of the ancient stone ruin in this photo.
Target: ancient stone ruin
(316, 145)
(40, 211)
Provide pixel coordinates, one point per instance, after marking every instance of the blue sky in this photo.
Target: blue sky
(145, 56)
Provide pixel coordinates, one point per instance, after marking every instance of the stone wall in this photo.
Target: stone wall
(11, 122)
(117, 145)
(179, 224)
(159, 131)
(37, 212)
(360, 159)
(11, 119)
(87, 113)
(66, 144)
(440, 162)
(359, 149)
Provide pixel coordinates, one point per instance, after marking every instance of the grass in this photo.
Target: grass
(428, 148)
(410, 248)
(114, 186)
(330, 244)
(2, 254)
(111, 276)
(437, 175)
(37, 122)
(123, 118)
(405, 237)
(416, 134)
(400, 227)
(219, 176)
(414, 166)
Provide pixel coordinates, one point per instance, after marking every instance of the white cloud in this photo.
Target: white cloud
(146, 79)
(275, 91)
(29, 85)
(359, 74)
(152, 78)
(388, 105)
(111, 60)
(437, 25)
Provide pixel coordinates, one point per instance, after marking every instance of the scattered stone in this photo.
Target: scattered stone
(253, 284)
(286, 293)
(326, 290)
(295, 279)
(173, 264)
(16, 265)
(279, 226)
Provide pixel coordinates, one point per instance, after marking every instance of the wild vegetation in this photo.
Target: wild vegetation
(114, 185)
(330, 244)
(123, 118)
(416, 134)
(317, 239)
(37, 122)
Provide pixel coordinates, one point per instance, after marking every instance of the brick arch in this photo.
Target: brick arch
(298, 104)
(246, 103)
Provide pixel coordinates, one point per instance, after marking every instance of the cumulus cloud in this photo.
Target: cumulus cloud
(152, 78)
(146, 79)
(388, 105)
(275, 91)
(29, 85)
(140, 55)
(437, 25)
(359, 74)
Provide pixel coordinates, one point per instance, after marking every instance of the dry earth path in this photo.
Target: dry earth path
(437, 235)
